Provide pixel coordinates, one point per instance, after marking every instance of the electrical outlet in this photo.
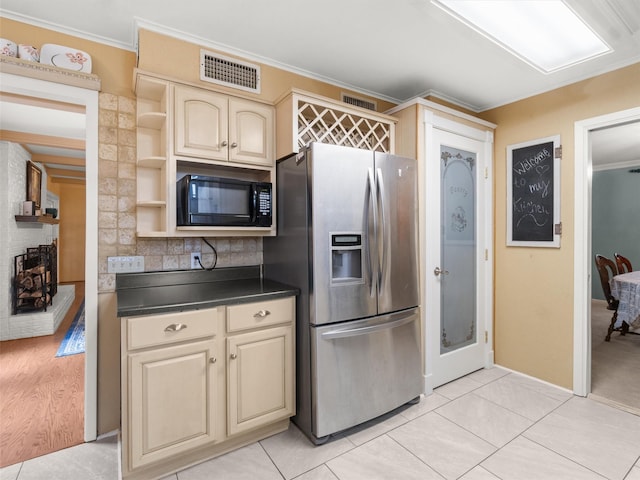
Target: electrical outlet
(194, 259)
(125, 264)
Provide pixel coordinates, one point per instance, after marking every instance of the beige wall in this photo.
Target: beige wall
(71, 232)
(534, 286)
(181, 60)
(71, 254)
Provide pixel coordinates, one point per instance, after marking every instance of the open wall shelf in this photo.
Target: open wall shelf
(37, 219)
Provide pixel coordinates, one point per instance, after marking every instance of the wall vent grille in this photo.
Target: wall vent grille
(229, 72)
(359, 102)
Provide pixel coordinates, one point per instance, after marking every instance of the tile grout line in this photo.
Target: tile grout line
(551, 450)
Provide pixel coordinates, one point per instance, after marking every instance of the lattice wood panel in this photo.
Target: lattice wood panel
(317, 123)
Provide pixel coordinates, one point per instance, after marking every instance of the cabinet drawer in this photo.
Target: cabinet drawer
(260, 314)
(151, 330)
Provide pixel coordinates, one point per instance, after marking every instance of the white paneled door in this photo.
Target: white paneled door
(457, 255)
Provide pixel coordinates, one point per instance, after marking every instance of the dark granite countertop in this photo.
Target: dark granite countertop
(176, 291)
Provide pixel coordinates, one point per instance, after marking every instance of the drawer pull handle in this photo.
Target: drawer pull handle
(175, 327)
(262, 314)
(233, 356)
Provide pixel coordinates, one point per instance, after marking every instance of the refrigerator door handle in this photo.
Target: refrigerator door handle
(405, 318)
(371, 200)
(382, 199)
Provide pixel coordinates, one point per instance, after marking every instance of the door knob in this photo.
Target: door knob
(233, 356)
(437, 271)
(213, 360)
(234, 145)
(224, 143)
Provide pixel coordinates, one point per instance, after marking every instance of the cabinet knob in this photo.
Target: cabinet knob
(175, 327)
(262, 314)
(224, 143)
(233, 356)
(213, 360)
(234, 145)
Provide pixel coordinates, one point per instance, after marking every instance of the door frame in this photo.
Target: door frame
(485, 291)
(32, 87)
(582, 254)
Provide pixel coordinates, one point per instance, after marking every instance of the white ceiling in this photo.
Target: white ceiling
(396, 50)
(392, 50)
(20, 117)
(616, 147)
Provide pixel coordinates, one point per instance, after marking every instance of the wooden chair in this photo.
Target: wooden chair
(623, 263)
(607, 270)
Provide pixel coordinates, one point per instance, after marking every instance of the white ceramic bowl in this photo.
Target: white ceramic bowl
(28, 52)
(9, 48)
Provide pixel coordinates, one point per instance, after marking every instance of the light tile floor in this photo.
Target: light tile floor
(489, 425)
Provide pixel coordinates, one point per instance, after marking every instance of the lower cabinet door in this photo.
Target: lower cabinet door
(172, 395)
(260, 378)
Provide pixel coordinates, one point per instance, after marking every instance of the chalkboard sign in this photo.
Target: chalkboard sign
(533, 193)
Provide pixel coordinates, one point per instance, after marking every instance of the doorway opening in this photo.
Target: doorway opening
(615, 363)
(584, 270)
(43, 368)
(88, 100)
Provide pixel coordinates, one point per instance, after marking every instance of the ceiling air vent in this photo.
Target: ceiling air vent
(229, 72)
(359, 102)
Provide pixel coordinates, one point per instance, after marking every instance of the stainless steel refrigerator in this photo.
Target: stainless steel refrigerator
(347, 237)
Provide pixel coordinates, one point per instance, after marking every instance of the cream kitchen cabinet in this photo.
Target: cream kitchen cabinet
(152, 160)
(304, 117)
(199, 383)
(183, 130)
(259, 391)
(170, 385)
(213, 126)
(172, 406)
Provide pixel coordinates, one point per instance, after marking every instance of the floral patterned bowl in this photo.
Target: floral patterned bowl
(9, 48)
(28, 52)
(65, 57)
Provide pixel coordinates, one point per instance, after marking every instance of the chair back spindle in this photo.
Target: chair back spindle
(623, 263)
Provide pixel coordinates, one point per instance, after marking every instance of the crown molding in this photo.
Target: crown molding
(66, 30)
(616, 166)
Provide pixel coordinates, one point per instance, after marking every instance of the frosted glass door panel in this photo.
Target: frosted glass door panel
(457, 248)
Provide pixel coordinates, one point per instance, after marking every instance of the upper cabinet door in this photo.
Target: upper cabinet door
(251, 132)
(201, 123)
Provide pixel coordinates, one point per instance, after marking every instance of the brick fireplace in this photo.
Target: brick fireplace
(15, 239)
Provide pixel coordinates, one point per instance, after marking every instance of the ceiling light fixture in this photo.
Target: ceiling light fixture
(546, 34)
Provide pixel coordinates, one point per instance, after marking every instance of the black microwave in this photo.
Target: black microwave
(223, 202)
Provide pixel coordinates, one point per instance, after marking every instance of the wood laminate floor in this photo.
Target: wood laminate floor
(41, 395)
